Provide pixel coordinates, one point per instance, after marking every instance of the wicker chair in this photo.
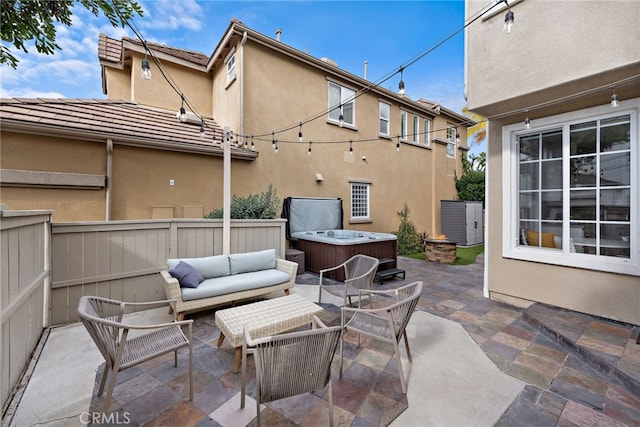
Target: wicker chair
(387, 323)
(359, 272)
(103, 319)
(291, 364)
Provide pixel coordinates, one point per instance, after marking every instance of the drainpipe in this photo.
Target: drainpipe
(242, 43)
(107, 214)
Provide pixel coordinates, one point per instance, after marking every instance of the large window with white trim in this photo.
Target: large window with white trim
(416, 130)
(452, 136)
(403, 125)
(231, 66)
(360, 200)
(427, 132)
(342, 105)
(384, 118)
(575, 190)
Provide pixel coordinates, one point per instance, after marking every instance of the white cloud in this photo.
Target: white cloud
(29, 93)
(172, 15)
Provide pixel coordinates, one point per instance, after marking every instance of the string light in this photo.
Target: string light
(350, 147)
(146, 69)
(398, 144)
(614, 98)
(300, 133)
(508, 19)
(253, 147)
(275, 145)
(182, 114)
(341, 117)
(527, 122)
(401, 91)
(273, 141)
(457, 135)
(202, 129)
(309, 150)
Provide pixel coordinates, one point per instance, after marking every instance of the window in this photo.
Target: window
(427, 132)
(573, 198)
(359, 200)
(452, 135)
(416, 130)
(384, 118)
(403, 125)
(231, 67)
(342, 104)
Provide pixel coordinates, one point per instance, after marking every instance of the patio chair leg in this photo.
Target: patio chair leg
(399, 362)
(105, 374)
(406, 345)
(330, 405)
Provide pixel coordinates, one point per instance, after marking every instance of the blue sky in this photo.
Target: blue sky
(386, 34)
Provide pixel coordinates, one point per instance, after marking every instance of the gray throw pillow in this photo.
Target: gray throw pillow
(187, 276)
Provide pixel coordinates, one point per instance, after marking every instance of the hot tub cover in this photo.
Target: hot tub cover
(310, 214)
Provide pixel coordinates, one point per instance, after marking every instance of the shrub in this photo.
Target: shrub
(408, 238)
(253, 206)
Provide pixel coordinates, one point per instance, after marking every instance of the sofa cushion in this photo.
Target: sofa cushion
(210, 266)
(187, 276)
(252, 261)
(235, 283)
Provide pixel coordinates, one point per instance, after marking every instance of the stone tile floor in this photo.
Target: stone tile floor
(581, 370)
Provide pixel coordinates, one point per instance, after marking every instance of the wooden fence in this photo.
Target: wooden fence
(121, 259)
(47, 267)
(24, 280)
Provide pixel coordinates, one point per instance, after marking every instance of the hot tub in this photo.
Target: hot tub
(326, 247)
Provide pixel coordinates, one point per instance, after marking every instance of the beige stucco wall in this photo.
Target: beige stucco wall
(556, 48)
(17, 152)
(195, 85)
(556, 51)
(614, 296)
(141, 181)
(278, 91)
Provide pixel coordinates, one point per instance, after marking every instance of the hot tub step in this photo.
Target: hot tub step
(381, 275)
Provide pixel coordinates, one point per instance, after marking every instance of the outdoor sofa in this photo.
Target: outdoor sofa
(206, 282)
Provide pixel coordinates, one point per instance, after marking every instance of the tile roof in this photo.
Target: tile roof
(122, 121)
(110, 49)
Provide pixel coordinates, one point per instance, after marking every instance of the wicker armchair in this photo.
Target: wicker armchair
(387, 323)
(291, 364)
(103, 319)
(359, 272)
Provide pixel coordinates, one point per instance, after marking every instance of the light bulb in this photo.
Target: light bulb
(614, 100)
(146, 69)
(508, 22)
(182, 115)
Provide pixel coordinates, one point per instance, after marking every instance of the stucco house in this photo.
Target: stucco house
(561, 93)
(128, 157)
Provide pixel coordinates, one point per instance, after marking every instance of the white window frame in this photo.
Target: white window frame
(451, 141)
(416, 130)
(384, 120)
(360, 200)
(511, 247)
(404, 118)
(230, 63)
(427, 132)
(347, 99)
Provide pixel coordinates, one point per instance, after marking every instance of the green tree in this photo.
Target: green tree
(471, 185)
(408, 238)
(24, 20)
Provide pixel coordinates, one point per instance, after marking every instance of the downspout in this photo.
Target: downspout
(242, 43)
(107, 214)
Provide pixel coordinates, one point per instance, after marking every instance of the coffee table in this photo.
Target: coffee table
(263, 319)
